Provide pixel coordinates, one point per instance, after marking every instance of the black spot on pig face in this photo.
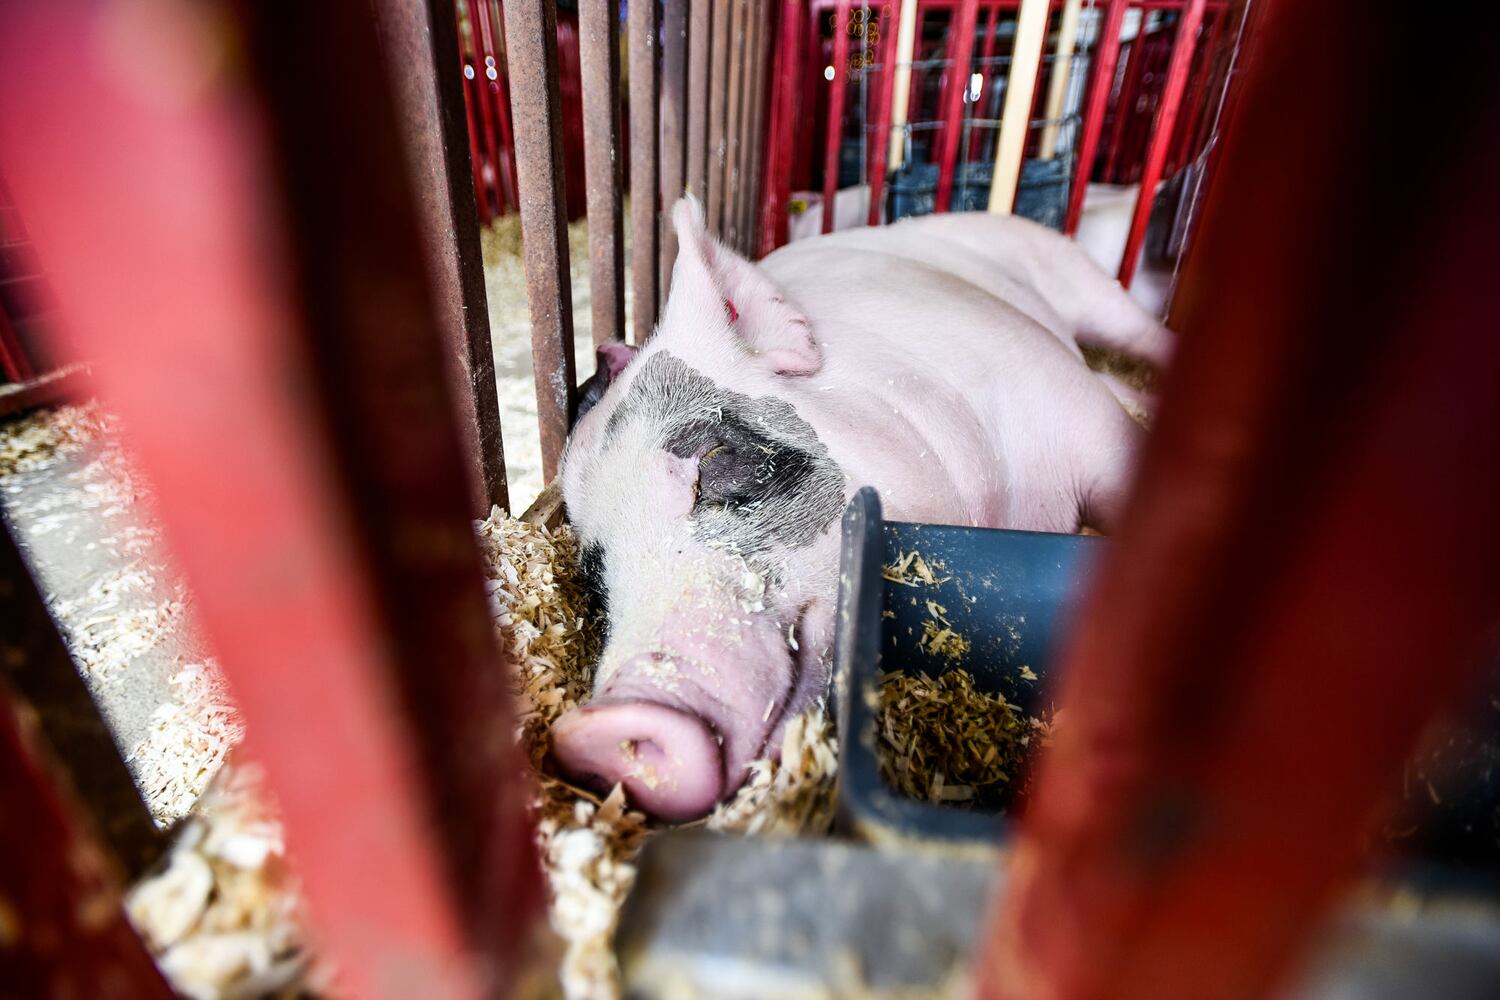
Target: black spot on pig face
(765, 480)
(591, 580)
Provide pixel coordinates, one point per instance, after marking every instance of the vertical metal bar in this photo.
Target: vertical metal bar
(332, 561)
(505, 169)
(786, 93)
(807, 101)
(1191, 829)
(1101, 79)
(536, 106)
(961, 53)
(749, 78)
(734, 95)
(838, 88)
(35, 664)
(906, 46)
(1198, 94)
(674, 68)
(484, 65)
(599, 59)
(1062, 67)
(759, 126)
(718, 106)
(472, 90)
(644, 250)
(878, 142)
(1161, 134)
(1130, 86)
(421, 48)
(700, 30)
(66, 934)
(1015, 119)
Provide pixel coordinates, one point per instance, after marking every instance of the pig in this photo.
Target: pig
(937, 360)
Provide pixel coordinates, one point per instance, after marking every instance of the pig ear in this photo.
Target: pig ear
(717, 278)
(612, 357)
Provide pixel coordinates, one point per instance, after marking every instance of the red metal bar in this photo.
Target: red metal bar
(834, 132)
(961, 48)
(1161, 136)
(482, 195)
(487, 70)
(643, 169)
(1135, 54)
(986, 54)
(808, 103)
(786, 94)
(506, 168)
(13, 360)
(1199, 94)
(332, 560)
(1239, 696)
(599, 55)
(1101, 79)
(66, 934)
(881, 141)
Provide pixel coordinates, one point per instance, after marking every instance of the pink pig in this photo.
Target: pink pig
(936, 360)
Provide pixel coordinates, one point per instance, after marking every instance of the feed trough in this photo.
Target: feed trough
(1002, 597)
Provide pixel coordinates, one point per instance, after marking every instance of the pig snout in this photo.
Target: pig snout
(679, 727)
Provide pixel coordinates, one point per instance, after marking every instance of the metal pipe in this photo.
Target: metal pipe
(1161, 135)
(755, 127)
(674, 68)
(906, 45)
(1130, 87)
(718, 102)
(1015, 119)
(728, 221)
(505, 169)
(786, 93)
(962, 54)
(420, 43)
(485, 65)
(1101, 80)
(834, 133)
(599, 60)
(487, 207)
(986, 54)
(1062, 67)
(644, 246)
(700, 30)
(531, 28)
(1190, 827)
(877, 143)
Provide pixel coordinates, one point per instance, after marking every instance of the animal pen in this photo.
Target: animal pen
(264, 248)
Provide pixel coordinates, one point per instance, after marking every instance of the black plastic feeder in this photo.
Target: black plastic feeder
(1009, 593)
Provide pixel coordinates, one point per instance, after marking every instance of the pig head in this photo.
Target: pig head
(705, 510)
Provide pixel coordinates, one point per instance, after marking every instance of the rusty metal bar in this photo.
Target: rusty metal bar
(599, 59)
(34, 663)
(1105, 59)
(745, 130)
(838, 89)
(674, 65)
(65, 930)
(1336, 377)
(536, 108)
(760, 30)
(700, 30)
(1161, 134)
(644, 250)
(420, 42)
(735, 104)
(962, 53)
(332, 561)
(718, 105)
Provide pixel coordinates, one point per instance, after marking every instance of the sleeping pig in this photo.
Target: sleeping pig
(936, 359)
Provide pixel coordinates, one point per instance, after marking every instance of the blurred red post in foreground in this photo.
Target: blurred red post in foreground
(1307, 572)
(220, 196)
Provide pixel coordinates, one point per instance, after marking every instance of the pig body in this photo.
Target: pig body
(937, 360)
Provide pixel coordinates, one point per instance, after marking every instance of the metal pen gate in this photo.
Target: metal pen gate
(332, 559)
